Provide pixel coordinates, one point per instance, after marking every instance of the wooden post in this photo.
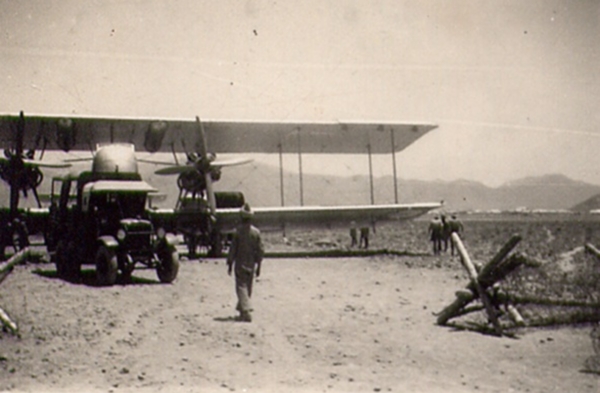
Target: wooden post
(592, 249)
(6, 321)
(453, 309)
(468, 264)
(19, 257)
(515, 315)
(5, 270)
(498, 258)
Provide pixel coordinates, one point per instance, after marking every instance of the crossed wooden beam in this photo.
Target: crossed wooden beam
(5, 269)
(481, 285)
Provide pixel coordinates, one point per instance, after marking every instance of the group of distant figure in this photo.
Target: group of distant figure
(440, 232)
(364, 237)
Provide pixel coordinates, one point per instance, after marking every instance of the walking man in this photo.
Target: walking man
(353, 237)
(246, 253)
(455, 227)
(364, 238)
(435, 234)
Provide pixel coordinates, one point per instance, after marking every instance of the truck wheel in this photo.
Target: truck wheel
(169, 264)
(106, 266)
(66, 266)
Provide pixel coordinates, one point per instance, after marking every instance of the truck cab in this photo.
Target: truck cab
(101, 219)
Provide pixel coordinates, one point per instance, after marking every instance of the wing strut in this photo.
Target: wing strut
(281, 175)
(281, 188)
(371, 174)
(394, 167)
(300, 168)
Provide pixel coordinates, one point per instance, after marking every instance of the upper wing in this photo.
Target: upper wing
(173, 135)
(268, 218)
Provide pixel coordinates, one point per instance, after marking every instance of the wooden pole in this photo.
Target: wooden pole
(6, 321)
(454, 309)
(470, 267)
(499, 257)
(515, 315)
(592, 250)
(14, 260)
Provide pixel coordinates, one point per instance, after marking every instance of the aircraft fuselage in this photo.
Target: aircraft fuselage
(115, 158)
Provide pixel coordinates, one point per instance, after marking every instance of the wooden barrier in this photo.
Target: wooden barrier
(6, 321)
(5, 269)
(483, 281)
(468, 264)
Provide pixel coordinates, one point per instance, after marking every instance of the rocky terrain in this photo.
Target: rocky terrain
(362, 324)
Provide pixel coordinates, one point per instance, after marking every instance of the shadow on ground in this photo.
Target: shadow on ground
(87, 277)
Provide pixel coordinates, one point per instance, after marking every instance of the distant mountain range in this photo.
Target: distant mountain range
(260, 185)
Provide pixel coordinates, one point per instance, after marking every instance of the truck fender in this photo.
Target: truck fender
(108, 241)
(171, 239)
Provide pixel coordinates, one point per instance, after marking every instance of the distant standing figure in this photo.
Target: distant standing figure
(455, 227)
(435, 234)
(445, 234)
(353, 235)
(246, 253)
(364, 237)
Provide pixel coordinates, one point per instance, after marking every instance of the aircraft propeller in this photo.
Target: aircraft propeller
(201, 170)
(197, 176)
(21, 171)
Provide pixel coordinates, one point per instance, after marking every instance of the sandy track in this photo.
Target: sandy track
(359, 324)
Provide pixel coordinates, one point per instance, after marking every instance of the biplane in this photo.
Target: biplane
(115, 145)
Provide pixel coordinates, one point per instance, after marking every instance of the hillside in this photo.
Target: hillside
(592, 203)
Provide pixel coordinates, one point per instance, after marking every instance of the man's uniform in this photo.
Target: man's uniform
(246, 253)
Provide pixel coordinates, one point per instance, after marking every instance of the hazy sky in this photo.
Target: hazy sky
(513, 85)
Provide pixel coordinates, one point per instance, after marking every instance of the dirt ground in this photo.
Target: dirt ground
(344, 324)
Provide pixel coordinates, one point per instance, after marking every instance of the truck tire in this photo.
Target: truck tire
(169, 264)
(106, 266)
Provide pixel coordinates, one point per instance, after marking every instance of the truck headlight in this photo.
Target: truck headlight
(121, 234)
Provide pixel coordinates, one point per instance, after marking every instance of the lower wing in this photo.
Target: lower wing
(275, 218)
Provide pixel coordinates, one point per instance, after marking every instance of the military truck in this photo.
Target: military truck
(100, 219)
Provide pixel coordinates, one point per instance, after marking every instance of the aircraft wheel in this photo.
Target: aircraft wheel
(66, 266)
(106, 266)
(169, 264)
